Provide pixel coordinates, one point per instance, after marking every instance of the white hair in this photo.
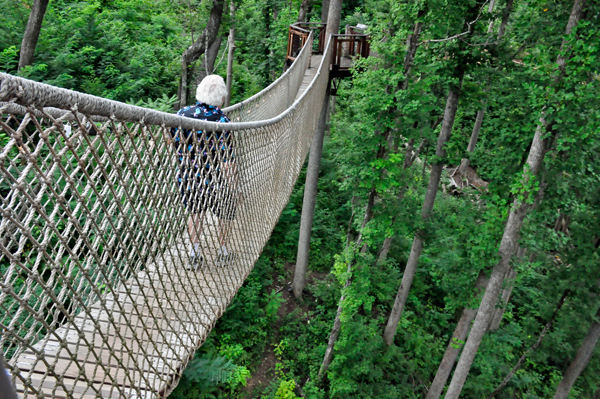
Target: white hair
(212, 91)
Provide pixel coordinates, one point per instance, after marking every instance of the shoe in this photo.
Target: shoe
(195, 262)
(225, 260)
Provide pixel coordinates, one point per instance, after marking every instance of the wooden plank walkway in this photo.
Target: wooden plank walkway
(135, 341)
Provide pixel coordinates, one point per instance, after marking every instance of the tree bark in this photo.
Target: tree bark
(367, 218)
(334, 16)
(479, 118)
(580, 361)
(533, 347)
(324, 11)
(303, 10)
(456, 342)
(385, 250)
(335, 331)
(505, 16)
(193, 52)
(473, 141)
(309, 201)
(32, 32)
(208, 63)
(434, 181)
(412, 42)
(491, 9)
(231, 41)
(506, 293)
(576, 14)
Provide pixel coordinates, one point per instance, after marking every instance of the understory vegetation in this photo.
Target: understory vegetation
(506, 69)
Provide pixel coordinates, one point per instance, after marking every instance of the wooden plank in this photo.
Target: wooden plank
(75, 388)
(104, 374)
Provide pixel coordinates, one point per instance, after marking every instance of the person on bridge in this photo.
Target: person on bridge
(207, 171)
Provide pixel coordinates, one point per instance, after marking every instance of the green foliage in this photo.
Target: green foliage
(205, 373)
(286, 390)
(164, 103)
(131, 49)
(9, 59)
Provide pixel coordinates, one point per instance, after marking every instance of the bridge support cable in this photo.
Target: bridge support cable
(98, 294)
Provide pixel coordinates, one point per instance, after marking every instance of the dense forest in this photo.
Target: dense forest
(454, 247)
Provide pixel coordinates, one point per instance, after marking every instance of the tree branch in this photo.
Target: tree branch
(468, 31)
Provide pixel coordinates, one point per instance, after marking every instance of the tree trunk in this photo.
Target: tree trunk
(505, 16)
(193, 52)
(412, 42)
(309, 201)
(208, 63)
(506, 293)
(491, 9)
(456, 343)
(574, 18)
(580, 361)
(32, 32)
(533, 347)
(324, 11)
(333, 18)
(434, 181)
(367, 218)
(231, 41)
(385, 249)
(473, 141)
(335, 331)
(479, 118)
(507, 247)
(303, 10)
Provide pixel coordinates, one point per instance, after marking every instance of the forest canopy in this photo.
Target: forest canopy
(457, 222)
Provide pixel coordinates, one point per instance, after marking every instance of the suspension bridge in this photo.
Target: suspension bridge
(98, 298)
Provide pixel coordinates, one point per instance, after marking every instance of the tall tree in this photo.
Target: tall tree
(456, 342)
(434, 181)
(411, 48)
(309, 202)
(324, 11)
(302, 13)
(231, 43)
(532, 348)
(479, 118)
(32, 32)
(334, 16)
(580, 361)
(193, 52)
(510, 239)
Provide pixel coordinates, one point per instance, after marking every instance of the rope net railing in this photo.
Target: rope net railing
(275, 98)
(99, 294)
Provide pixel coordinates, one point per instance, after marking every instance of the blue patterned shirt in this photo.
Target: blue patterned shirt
(215, 147)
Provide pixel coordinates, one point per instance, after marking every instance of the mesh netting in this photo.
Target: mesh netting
(100, 295)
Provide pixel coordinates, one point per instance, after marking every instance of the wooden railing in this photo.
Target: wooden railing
(297, 36)
(346, 47)
(354, 43)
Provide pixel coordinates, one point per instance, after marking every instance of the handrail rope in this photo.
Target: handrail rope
(268, 88)
(13, 89)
